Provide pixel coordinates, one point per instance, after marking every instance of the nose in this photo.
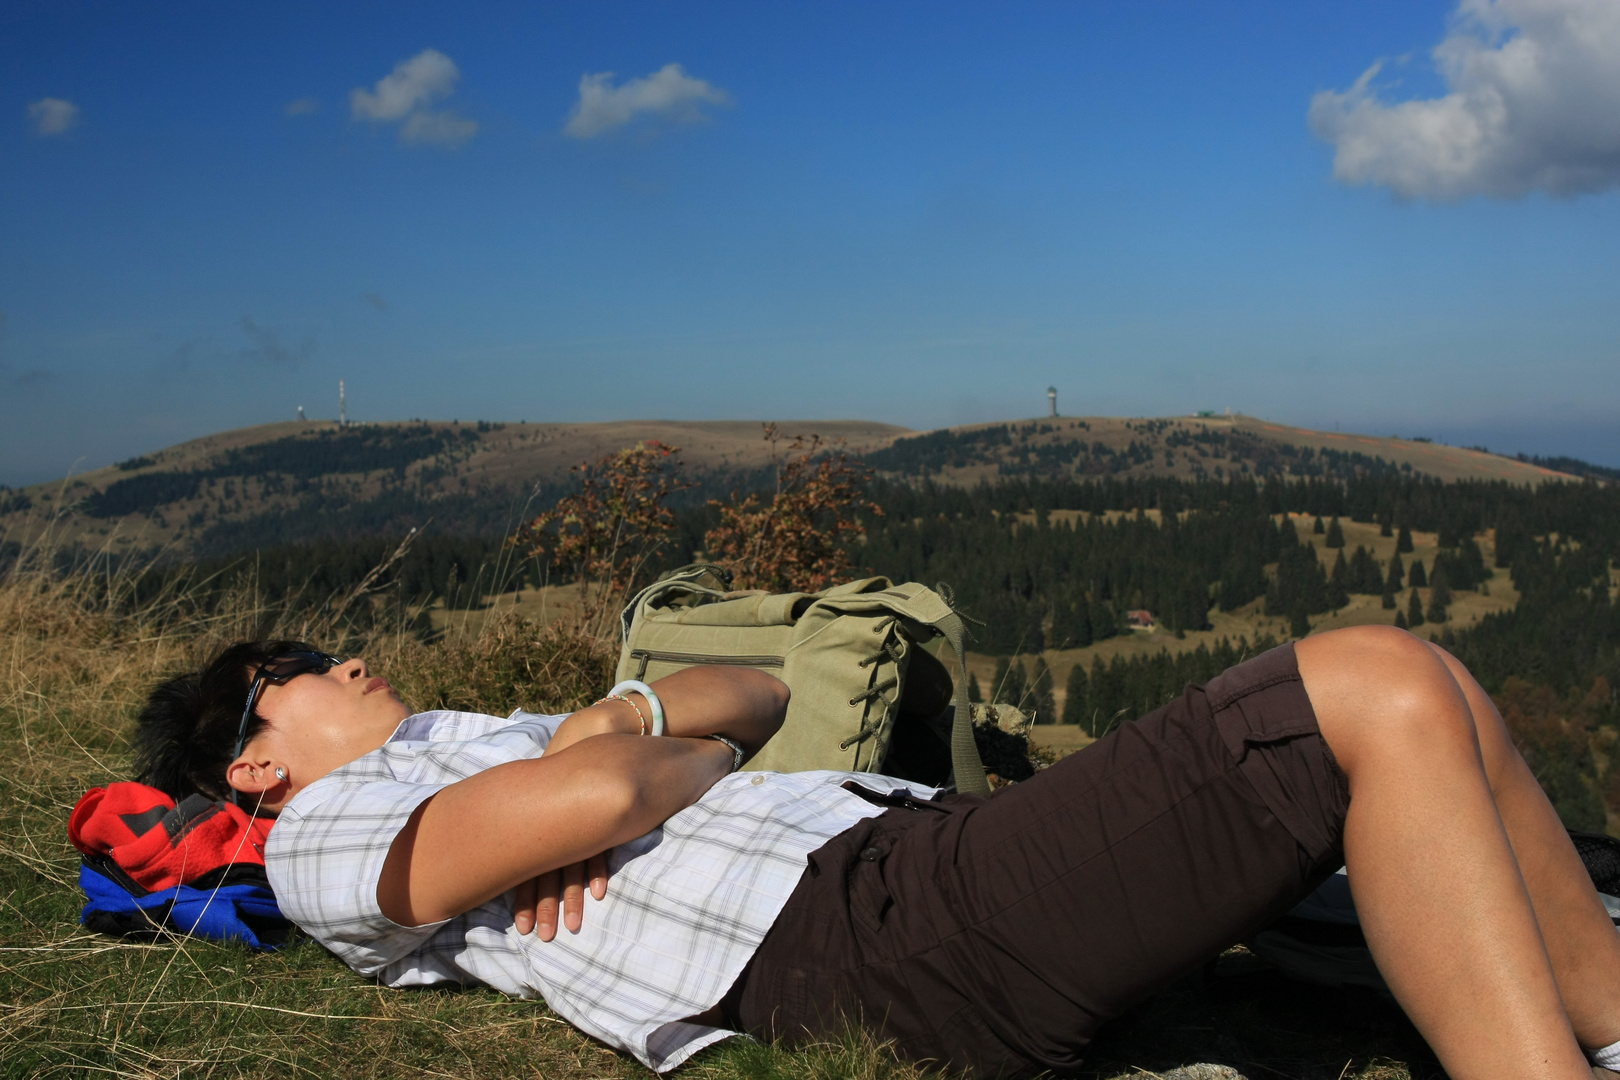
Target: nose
(354, 669)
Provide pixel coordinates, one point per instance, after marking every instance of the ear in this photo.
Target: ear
(255, 776)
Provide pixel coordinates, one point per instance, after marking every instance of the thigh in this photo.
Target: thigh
(997, 935)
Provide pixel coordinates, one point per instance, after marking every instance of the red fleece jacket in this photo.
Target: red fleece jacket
(160, 844)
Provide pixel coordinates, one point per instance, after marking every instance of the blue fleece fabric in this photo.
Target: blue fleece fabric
(208, 913)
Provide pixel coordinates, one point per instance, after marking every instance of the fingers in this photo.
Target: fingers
(523, 904)
(573, 896)
(539, 900)
(545, 910)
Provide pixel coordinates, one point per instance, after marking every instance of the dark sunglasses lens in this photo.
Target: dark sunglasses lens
(283, 668)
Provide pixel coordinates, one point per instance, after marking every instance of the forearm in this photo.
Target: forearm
(744, 704)
(741, 703)
(484, 835)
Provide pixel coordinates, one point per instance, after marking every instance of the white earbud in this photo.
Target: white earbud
(281, 774)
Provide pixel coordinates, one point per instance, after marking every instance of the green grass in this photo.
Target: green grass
(74, 1004)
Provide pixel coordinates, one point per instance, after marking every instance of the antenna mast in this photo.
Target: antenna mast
(1051, 399)
(343, 408)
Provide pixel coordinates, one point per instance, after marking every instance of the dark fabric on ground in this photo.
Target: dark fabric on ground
(997, 935)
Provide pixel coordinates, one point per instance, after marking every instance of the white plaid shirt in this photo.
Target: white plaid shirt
(687, 904)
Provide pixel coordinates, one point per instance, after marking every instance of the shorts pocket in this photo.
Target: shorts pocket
(869, 896)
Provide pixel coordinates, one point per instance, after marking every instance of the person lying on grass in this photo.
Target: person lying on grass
(990, 935)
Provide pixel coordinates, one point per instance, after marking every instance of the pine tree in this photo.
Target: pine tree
(1417, 578)
(1404, 541)
(1317, 528)
(1396, 581)
(998, 681)
(1400, 619)
(1384, 528)
(1388, 601)
(974, 693)
(1032, 639)
(1071, 624)
(1016, 687)
(1335, 533)
(1339, 581)
(1439, 596)
(1103, 623)
(1043, 699)
(1414, 610)
(1075, 706)
(1365, 576)
(1298, 624)
(1100, 695)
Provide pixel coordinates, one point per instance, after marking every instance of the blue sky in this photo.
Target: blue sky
(917, 213)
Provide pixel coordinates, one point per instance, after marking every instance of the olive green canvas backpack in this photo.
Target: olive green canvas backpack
(866, 694)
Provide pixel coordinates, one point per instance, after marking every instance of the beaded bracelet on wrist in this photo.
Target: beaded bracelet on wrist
(620, 697)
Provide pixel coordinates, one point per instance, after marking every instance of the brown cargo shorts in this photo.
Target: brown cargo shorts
(997, 935)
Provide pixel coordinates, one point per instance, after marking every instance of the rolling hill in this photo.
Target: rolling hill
(287, 482)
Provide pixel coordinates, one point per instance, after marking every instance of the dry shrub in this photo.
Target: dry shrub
(604, 536)
(800, 538)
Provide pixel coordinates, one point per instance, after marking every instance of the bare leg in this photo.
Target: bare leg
(1444, 906)
(1580, 937)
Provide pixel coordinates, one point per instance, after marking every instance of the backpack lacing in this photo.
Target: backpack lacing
(888, 649)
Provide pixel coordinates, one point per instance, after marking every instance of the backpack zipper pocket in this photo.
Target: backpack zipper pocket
(647, 656)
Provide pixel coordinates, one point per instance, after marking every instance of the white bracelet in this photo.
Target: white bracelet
(652, 699)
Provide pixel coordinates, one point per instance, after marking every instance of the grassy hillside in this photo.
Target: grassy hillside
(298, 481)
(1183, 447)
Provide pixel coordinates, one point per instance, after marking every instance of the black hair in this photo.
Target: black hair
(186, 732)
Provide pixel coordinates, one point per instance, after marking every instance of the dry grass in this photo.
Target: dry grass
(75, 661)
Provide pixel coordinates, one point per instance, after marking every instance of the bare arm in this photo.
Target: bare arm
(487, 833)
(595, 787)
(741, 703)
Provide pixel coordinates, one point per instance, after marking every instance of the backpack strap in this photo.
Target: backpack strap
(929, 607)
(965, 763)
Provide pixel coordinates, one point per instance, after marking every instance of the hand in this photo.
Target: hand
(539, 898)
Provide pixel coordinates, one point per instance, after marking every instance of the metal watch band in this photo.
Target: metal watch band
(737, 754)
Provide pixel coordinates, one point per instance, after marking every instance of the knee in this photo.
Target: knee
(1381, 687)
(1378, 656)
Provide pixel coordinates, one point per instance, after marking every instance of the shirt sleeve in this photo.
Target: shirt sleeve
(325, 856)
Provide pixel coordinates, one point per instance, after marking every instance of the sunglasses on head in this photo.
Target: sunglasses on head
(279, 669)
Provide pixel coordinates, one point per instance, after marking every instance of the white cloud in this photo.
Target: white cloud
(669, 91)
(53, 116)
(446, 128)
(303, 106)
(1532, 104)
(405, 95)
(424, 78)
